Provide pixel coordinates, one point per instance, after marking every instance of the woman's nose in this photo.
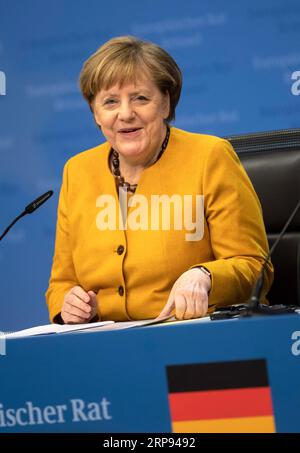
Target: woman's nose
(126, 112)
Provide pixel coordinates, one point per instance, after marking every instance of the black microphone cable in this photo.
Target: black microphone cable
(29, 209)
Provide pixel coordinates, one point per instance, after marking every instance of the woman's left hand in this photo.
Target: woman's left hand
(189, 295)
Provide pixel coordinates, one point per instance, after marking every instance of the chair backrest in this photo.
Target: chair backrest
(272, 161)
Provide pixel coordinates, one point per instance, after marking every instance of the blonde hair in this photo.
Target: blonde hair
(123, 60)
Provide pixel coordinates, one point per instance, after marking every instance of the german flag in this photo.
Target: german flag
(222, 397)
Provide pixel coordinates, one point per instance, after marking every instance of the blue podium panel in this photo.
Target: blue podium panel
(194, 376)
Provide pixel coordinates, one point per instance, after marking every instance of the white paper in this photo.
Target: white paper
(89, 327)
(130, 324)
(55, 328)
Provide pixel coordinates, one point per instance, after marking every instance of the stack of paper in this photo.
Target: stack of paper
(95, 326)
(54, 328)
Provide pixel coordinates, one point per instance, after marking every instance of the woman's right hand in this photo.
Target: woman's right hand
(79, 306)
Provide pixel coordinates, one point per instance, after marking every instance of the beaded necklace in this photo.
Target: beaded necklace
(116, 166)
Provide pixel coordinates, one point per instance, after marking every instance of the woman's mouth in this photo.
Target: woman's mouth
(130, 132)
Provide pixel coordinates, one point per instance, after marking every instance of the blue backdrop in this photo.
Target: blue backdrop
(237, 59)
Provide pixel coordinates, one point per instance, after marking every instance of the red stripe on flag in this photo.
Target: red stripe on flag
(245, 402)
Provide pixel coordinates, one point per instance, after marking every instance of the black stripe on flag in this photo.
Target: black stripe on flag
(217, 376)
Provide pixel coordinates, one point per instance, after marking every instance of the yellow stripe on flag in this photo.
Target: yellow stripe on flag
(227, 425)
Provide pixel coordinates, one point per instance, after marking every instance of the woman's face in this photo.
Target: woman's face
(132, 119)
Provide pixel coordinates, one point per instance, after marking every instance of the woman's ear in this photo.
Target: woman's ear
(95, 116)
(166, 108)
(96, 119)
(96, 122)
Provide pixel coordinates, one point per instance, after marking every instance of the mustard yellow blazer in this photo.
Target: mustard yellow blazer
(133, 270)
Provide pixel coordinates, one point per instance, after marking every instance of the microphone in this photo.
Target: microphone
(254, 306)
(29, 209)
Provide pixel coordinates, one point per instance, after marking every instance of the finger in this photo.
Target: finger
(74, 301)
(169, 307)
(180, 305)
(80, 293)
(93, 298)
(190, 305)
(72, 319)
(71, 310)
(199, 296)
(201, 304)
(93, 304)
(198, 307)
(205, 305)
(167, 310)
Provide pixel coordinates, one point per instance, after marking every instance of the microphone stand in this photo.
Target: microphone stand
(29, 210)
(12, 224)
(254, 306)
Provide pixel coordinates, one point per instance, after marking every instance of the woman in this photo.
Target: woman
(156, 220)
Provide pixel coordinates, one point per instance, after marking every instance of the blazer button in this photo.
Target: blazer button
(121, 290)
(120, 249)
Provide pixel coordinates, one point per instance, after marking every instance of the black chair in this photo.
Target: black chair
(272, 161)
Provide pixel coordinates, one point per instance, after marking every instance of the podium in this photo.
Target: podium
(233, 375)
